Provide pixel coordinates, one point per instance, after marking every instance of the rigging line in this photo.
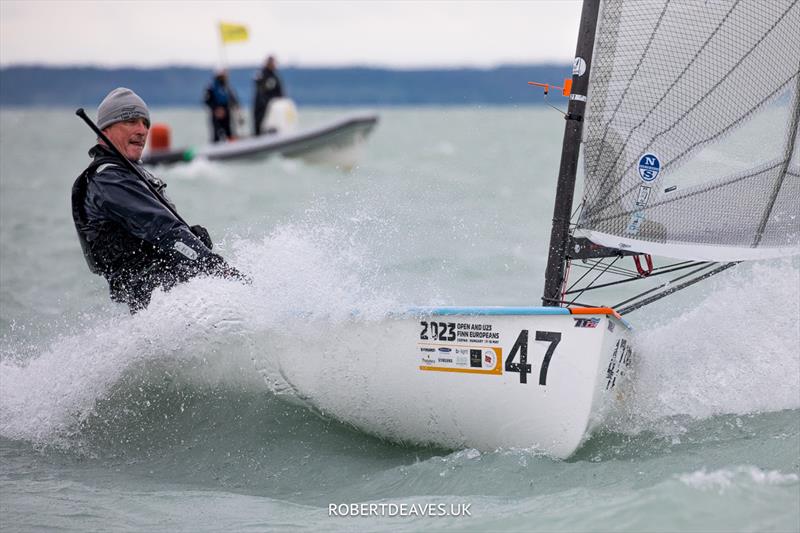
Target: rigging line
(554, 107)
(667, 91)
(672, 290)
(599, 260)
(788, 157)
(577, 209)
(595, 279)
(697, 103)
(594, 263)
(666, 284)
(618, 282)
(588, 271)
(617, 271)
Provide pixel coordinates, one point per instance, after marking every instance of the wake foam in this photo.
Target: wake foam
(737, 351)
(724, 479)
(208, 331)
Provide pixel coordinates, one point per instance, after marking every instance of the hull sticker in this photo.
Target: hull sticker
(467, 359)
(620, 359)
(475, 347)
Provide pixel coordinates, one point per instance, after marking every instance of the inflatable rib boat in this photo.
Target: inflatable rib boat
(333, 142)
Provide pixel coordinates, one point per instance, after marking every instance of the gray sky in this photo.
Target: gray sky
(301, 33)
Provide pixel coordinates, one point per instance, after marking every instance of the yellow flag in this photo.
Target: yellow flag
(232, 33)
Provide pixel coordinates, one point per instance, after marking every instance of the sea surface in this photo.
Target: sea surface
(163, 421)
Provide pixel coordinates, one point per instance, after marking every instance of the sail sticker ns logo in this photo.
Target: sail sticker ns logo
(649, 167)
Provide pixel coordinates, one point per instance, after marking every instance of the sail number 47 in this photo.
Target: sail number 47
(521, 348)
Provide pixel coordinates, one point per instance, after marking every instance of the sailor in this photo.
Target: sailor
(268, 86)
(223, 104)
(128, 233)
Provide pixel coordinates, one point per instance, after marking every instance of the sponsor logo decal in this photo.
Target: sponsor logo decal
(467, 360)
(475, 359)
(489, 358)
(649, 167)
(586, 322)
(644, 196)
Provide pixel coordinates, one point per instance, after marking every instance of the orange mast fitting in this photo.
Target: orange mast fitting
(565, 90)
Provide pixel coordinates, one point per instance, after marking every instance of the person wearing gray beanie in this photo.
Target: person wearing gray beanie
(129, 231)
(119, 105)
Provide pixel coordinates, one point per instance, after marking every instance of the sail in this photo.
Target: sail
(690, 141)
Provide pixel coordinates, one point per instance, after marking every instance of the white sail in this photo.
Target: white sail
(690, 143)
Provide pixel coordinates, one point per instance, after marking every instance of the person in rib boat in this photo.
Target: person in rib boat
(128, 233)
(268, 87)
(224, 107)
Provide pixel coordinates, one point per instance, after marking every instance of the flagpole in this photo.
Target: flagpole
(222, 58)
(230, 33)
(223, 67)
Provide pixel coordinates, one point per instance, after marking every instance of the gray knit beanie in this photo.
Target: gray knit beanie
(121, 104)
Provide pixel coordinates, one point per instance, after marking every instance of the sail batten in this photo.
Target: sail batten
(691, 129)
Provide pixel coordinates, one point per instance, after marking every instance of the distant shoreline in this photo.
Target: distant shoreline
(180, 86)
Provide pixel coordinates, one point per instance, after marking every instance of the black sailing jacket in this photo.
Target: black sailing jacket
(130, 237)
(268, 86)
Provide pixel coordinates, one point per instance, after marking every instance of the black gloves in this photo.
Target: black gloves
(215, 265)
(202, 233)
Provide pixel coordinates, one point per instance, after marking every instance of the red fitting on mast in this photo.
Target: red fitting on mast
(641, 270)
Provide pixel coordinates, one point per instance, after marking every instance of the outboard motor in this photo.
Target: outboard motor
(281, 116)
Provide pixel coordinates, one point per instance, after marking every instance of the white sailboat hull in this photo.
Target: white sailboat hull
(445, 376)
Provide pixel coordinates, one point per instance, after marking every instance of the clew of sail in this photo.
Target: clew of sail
(690, 139)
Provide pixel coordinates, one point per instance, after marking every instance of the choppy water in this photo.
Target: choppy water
(168, 420)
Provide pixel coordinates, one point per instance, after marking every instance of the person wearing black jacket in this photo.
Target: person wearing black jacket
(268, 86)
(127, 232)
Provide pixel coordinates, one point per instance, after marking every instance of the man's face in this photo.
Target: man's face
(129, 136)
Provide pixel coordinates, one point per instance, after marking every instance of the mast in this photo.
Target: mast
(570, 150)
